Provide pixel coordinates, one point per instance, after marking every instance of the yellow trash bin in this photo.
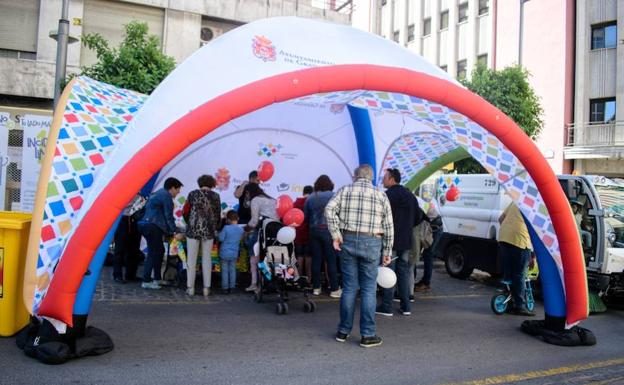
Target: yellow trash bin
(14, 229)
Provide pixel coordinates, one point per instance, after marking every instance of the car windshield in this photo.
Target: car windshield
(612, 200)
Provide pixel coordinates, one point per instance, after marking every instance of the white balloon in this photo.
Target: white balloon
(256, 249)
(386, 277)
(286, 235)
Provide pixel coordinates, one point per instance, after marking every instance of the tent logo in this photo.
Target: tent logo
(223, 179)
(268, 150)
(263, 48)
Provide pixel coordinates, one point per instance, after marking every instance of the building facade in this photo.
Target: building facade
(28, 56)
(458, 34)
(596, 138)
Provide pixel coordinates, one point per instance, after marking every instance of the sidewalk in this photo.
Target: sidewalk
(108, 290)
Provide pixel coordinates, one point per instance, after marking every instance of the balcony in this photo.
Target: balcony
(594, 141)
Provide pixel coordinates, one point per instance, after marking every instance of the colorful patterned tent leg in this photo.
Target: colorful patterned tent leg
(450, 157)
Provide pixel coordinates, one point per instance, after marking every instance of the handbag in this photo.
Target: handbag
(137, 208)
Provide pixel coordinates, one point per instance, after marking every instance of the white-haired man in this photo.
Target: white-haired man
(359, 219)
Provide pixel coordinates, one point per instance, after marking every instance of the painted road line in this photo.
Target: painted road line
(510, 378)
(617, 380)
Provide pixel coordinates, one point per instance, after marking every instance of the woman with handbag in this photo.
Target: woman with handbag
(202, 212)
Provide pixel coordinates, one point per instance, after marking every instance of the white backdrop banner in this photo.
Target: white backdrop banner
(298, 160)
(36, 129)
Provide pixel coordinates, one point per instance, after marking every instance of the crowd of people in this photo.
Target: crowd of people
(347, 234)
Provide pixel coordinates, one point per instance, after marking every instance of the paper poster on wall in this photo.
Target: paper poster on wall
(4, 157)
(36, 128)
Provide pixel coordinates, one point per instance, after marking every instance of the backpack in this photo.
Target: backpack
(425, 233)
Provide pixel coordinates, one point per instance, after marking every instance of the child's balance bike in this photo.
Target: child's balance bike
(500, 302)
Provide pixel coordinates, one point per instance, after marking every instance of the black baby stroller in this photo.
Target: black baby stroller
(277, 269)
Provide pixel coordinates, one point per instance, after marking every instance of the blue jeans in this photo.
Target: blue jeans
(228, 273)
(359, 258)
(515, 263)
(401, 266)
(155, 251)
(429, 254)
(321, 243)
(250, 240)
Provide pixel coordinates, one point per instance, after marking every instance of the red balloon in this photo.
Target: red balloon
(265, 170)
(452, 193)
(294, 217)
(284, 204)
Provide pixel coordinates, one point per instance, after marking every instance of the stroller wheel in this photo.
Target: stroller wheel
(309, 307)
(281, 308)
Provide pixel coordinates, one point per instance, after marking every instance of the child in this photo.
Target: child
(230, 238)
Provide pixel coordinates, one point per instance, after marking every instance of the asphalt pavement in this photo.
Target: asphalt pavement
(452, 337)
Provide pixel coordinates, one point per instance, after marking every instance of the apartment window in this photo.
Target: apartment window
(427, 27)
(461, 69)
(410, 32)
(462, 12)
(602, 111)
(395, 36)
(444, 68)
(444, 16)
(604, 36)
(484, 7)
(482, 60)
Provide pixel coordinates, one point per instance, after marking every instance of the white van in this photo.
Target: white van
(471, 226)
(470, 222)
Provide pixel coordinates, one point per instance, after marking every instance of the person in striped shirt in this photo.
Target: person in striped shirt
(359, 219)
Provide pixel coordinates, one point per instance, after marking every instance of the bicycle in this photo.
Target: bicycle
(500, 302)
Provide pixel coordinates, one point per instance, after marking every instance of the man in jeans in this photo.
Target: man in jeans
(515, 246)
(359, 218)
(403, 204)
(158, 222)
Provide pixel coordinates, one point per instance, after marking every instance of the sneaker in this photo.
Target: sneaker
(336, 293)
(396, 299)
(190, 291)
(384, 313)
(119, 280)
(150, 285)
(162, 282)
(411, 298)
(406, 313)
(206, 292)
(522, 311)
(421, 286)
(316, 291)
(252, 287)
(369, 342)
(341, 337)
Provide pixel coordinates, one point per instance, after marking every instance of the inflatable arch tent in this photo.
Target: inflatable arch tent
(310, 96)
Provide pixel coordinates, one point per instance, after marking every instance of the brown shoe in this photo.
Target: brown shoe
(420, 287)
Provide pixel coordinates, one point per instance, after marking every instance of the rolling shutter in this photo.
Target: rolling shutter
(18, 25)
(108, 19)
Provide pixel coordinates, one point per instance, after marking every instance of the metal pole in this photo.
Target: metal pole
(520, 32)
(61, 51)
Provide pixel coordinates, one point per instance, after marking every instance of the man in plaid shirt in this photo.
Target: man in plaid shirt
(359, 219)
